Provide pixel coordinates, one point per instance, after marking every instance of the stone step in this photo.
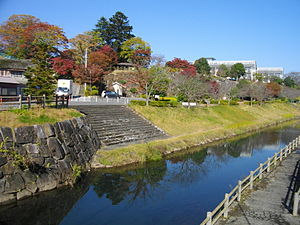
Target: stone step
(118, 124)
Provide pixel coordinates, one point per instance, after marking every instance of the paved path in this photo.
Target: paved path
(266, 204)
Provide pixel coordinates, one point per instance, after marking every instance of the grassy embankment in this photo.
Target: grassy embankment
(17, 117)
(198, 126)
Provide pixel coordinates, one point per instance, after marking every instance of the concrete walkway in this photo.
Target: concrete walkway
(271, 198)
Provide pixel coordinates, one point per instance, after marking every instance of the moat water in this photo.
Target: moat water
(178, 190)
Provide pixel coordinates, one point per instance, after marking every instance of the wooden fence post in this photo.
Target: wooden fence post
(275, 159)
(239, 191)
(29, 101)
(56, 101)
(226, 205)
(67, 102)
(296, 204)
(20, 101)
(260, 170)
(209, 218)
(44, 101)
(251, 179)
(280, 156)
(269, 165)
(286, 150)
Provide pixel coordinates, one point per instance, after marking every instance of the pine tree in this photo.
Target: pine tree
(115, 30)
(41, 79)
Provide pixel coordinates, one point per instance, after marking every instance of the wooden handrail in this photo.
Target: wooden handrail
(236, 193)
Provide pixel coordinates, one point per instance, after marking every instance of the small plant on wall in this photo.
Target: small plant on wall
(14, 156)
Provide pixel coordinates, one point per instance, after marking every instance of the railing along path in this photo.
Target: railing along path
(236, 193)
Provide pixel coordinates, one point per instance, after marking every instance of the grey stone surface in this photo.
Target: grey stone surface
(40, 131)
(22, 194)
(7, 134)
(48, 151)
(32, 148)
(268, 204)
(26, 135)
(14, 183)
(3, 161)
(46, 182)
(55, 148)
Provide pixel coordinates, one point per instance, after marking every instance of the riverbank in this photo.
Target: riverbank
(196, 127)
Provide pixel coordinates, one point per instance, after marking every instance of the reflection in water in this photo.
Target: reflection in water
(178, 190)
(47, 208)
(140, 182)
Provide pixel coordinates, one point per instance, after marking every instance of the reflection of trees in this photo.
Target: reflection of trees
(245, 146)
(140, 182)
(188, 167)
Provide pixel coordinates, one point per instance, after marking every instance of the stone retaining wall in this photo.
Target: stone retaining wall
(43, 157)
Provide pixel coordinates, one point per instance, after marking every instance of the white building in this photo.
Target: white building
(271, 71)
(250, 66)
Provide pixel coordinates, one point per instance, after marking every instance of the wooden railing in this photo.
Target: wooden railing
(8, 102)
(248, 182)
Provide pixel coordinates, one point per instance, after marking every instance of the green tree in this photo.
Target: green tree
(89, 41)
(154, 80)
(259, 76)
(277, 80)
(289, 82)
(237, 70)
(223, 71)
(202, 66)
(115, 30)
(133, 47)
(40, 76)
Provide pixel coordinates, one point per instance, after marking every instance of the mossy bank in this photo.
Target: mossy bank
(195, 127)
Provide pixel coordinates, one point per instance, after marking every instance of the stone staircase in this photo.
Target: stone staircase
(118, 124)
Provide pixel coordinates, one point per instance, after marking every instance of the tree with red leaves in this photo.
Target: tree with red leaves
(100, 63)
(64, 64)
(183, 66)
(274, 89)
(20, 34)
(214, 89)
(178, 63)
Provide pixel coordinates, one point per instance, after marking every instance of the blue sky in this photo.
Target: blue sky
(263, 30)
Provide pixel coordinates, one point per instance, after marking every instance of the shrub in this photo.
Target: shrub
(214, 101)
(168, 99)
(249, 103)
(133, 90)
(91, 91)
(233, 102)
(224, 102)
(138, 102)
(163, 103)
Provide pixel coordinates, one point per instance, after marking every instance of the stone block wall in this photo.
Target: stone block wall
(48, 153)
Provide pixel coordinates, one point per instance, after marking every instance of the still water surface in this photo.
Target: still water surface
(178, 190)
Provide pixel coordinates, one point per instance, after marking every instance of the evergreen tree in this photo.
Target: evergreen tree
(115, 30)
(202, 66)
(237, 70)
(41, 79)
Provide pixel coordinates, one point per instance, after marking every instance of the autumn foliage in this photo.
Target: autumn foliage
(183, 66)
(21, 33)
